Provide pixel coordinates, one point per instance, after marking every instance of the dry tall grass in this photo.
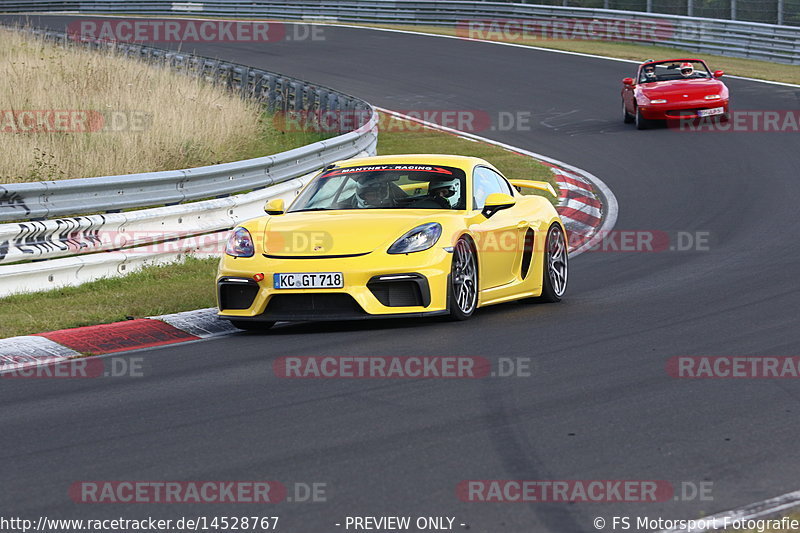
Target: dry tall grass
(182, 121)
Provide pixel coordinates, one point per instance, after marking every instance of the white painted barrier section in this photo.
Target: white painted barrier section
(201, 229)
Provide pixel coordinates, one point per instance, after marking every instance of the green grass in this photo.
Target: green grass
(151, 291)
(274, 140)
(190, 285)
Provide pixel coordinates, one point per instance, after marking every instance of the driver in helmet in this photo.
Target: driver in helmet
(687, 70)
(372, 193)
(648, 72)
(443, 192)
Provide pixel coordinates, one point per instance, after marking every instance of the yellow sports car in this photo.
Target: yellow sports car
(388, 236)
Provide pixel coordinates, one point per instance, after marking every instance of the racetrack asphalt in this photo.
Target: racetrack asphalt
(599, 403)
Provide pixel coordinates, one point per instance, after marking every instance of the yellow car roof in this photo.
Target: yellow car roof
(458, 161)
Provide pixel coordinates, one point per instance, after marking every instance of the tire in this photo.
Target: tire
(627, 118)
(555, 271)
(249, 325)
(462, 284)
(641, 122)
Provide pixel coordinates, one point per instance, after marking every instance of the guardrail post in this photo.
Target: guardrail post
(780, 12)
(278, 98)
(733, 9)
(272, 91)
(690, 8)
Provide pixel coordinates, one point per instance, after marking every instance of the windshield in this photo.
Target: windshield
(674, 70)
(394, 186)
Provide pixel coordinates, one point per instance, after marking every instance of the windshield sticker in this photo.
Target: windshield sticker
(387, 168)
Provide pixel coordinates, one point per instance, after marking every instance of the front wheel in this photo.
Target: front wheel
(641, 122)
(462, 289)
(556, 266)
(627, 118)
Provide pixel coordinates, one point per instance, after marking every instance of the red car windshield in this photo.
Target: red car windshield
(674, 70)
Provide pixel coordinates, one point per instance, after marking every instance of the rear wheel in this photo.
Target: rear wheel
(627, 118)
(556, 266)
(250, 325)
(462, 290)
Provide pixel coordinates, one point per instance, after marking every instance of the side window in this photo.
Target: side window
(505, 186)
(484, 183)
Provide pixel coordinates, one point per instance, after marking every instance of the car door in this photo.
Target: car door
(498, 237)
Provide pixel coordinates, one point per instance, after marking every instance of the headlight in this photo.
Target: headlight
(240, 243)
(662, 101)
(418, 239)
(713, 97)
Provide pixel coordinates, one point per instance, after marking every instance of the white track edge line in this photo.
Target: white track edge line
(543, 49)
(608, 199)
(426, 34)
(748, 512)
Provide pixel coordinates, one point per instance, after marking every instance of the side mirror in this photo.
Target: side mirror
(497, 201)
(718, 73)
(275, 207)
(627, 81)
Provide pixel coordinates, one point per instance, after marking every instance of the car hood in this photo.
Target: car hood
(344, 232)
(694, 88)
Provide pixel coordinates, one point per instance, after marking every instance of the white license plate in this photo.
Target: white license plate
(710, 112)
(308, 280)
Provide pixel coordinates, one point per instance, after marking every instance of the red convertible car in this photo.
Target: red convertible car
(673, 89)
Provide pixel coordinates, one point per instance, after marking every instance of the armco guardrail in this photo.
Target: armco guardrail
(74, 250)
(280, 93)
(704, 35)
(133, 239)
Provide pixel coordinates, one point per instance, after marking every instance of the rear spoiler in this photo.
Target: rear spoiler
(539, 185)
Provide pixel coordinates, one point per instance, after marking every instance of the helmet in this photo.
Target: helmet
(445, 189)
(687, 69)
(371, 192)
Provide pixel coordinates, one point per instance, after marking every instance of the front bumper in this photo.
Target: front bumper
(376, 285)
(682, 110)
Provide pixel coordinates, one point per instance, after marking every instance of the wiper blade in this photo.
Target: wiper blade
(314, 209)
